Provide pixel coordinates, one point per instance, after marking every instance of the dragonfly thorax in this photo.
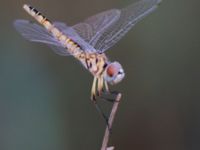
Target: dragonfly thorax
(94, 62)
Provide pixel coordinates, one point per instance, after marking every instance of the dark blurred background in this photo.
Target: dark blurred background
(45, 99)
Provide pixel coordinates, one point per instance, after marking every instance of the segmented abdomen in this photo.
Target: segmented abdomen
(94, 62)
(70, 45)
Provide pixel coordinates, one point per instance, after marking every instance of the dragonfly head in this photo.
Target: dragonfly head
(114, 73)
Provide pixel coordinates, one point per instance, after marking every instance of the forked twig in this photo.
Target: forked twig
(110, 121)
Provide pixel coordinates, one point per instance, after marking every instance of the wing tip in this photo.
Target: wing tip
(19, 21)
(159, 2)
(16, 22)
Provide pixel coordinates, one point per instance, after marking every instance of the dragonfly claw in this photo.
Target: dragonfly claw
(93, 98)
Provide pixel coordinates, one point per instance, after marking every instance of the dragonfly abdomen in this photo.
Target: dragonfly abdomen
(38, 16)
(94, 62)
(65, 41)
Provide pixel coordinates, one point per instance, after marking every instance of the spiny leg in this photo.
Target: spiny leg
(100, 85)
(102, 114)
(110, 97)
(107, 93)
(93, 91)
(96, 82)
(107, 89)
(106, 86)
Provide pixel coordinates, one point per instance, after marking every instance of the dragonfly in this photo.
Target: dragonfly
(88, 40)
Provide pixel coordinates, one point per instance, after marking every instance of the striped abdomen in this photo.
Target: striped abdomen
(94, 62)
(72, 47)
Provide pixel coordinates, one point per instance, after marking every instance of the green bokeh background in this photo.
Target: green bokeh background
(44, 98)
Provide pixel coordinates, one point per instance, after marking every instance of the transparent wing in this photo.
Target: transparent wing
(128, 18)
(36, 33)
(84, 30)
(107, 28)
(75, 36)
(95, 24)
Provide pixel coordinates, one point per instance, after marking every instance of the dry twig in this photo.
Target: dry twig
(110, 121)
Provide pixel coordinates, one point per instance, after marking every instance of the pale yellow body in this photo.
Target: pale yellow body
(94, 62)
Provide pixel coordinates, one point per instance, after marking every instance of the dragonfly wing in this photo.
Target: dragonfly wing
(84, 30)
(60, 25)
(59, 50)
(75, 36)
(129, 16)
(90, 28)
(35, 33)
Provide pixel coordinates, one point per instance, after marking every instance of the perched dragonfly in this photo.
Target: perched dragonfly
(87, 41)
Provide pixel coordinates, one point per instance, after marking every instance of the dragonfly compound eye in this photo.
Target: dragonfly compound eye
(114, 73)
(111, 70)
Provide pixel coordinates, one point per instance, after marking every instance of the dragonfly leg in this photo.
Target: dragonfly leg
(102, 114)
(106, 86)
(103, 91)
(109, 96)
(93, 91)
(97, 88)
(100, 85)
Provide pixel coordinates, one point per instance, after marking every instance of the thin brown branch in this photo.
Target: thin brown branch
(110, 121)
